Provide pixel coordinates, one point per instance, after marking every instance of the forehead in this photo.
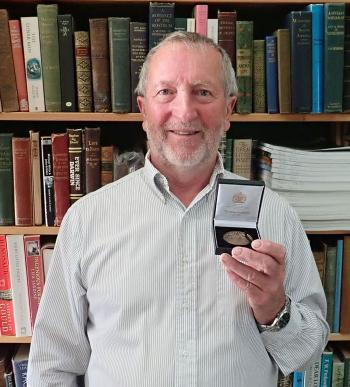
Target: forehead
(177, 61)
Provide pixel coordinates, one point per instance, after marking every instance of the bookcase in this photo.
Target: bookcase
(267, 17)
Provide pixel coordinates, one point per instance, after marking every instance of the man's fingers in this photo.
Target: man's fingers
(273, 249)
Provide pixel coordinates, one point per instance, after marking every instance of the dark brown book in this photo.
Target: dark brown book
(92, 159)
(22, 181)
(36, 177)
(8, 90)
(83, 70)
(138, 52)
(101, 86)
(61, 175)
(75, 151)
(106, 164)
(227, 33)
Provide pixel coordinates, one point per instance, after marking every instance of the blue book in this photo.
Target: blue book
(298, 378)
(326, 368)
(317, 61)
(271, 74)
(338, 285)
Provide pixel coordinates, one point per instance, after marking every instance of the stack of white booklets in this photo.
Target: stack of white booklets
(315, 182)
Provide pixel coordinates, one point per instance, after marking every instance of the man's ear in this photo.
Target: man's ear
(229, 109)
(141, 104)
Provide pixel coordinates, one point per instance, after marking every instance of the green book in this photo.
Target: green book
(329, 281)
(334, 27)
(259, 76)
(244, 59)
(48, 31)
(228, 154)
(7, 214)
(180, 24)
(119, 49)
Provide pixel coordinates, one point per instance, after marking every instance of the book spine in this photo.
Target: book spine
(18, 274)
(32, 60)
(8, 90)
(338, 284)
(20, 372)
(48, 180)
(326, 369)
(213, 30)
(35, 273)
(271, 74)
(75, 150)
(61, 175)
(92, 159)
(244, 58)
(6, 177)
(242, 157)
(228, 154)
(83, 70)
(7, 327)
(191, 24)
(161, 21)
(180, 24)
(259, 96)
(317, 43)
(283, 70)
(22, 181)
(334, 20)
(36, 179)
(299, 23)
(200, 13)
(138, 52)
(345, 297)
(298, 379)
(18, 61)
(66, 55)
(106, 165)
(227, 33)
(119, 50)
(100, 65)
(329, 283)
(346, 80)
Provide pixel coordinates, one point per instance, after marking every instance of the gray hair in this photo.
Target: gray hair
(192, 40)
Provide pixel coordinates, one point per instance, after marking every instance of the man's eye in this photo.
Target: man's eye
(164, 92)
(204, 93)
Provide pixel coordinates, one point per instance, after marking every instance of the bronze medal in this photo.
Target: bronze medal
(237, 238)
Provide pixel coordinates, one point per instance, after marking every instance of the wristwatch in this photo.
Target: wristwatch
(281, 320)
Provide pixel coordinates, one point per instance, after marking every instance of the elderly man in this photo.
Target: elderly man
(136, 295)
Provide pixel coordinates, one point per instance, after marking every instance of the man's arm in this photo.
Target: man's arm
(60, 349)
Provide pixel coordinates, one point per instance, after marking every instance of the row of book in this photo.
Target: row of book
(41, 176)
(24, 265)
(48, 66)
(14, 365)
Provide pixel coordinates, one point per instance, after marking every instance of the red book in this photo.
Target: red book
(201, 17)
(61, 175)
(22, 182)
(18, 62)
(35, 273)
(7, 318)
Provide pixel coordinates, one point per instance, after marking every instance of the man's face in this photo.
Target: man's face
(184, 109)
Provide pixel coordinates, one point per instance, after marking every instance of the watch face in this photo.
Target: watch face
(283, 320)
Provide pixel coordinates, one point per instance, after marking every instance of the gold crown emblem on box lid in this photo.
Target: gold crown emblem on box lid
(239, 198)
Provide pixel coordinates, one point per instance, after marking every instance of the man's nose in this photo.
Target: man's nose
(185, 106)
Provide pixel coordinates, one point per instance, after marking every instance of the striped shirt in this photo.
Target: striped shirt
(136, 297)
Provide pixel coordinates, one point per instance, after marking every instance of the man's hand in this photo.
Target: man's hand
(260, 274)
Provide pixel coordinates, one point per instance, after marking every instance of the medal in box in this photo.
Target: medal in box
(236, 213)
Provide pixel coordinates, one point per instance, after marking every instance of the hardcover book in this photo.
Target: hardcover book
(20, 365)
(36, 178)
(213, 30)
(48, 180)
(92, 159)
(200, 13)
(345, 299)
(7, 217)
(48, 31)
(346, 80)
(106, 165)
(271, 74)
(75, 150)
(227, 33)
(8, 90)
(259, 105)
(161, 21)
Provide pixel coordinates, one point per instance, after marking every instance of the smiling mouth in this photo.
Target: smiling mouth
(184, 132)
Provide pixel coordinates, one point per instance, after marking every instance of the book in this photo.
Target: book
(326, 367)
(345, 291)
(48, 180)
(161, 21)
(92, 159)
(32, 61)
(343, 352)
(138, 52)
(191, 24)
(67, 65)
(75, 153)
(244, 60)
(334, 21)
(299, 25)
(18, 62)
(7, 327)
(6, 353)
(312, 374)
(35, 273)
(119, 49)
(8, 90)
(337, 371)
(200, 14)
(83, 70)
(298, 379)
(106, 165)
(283, 70)
(7, 214)
(20, 365)
(227, 33)
(48, 32)
(338, 285)
(346, 75)
(101, 87)
(46, 253)
(213, 30)
(22, 181)
(242, 157)
(61, 175)
(259, 105)
(36, 177)
(317, 44)
(271, 74)
(180, 24)
(18, 275)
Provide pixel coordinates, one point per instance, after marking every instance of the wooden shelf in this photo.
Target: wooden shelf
(328, 232)
(137, 117)
(339, 337)
(15, 340)
(41, 230)
(214, 2)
